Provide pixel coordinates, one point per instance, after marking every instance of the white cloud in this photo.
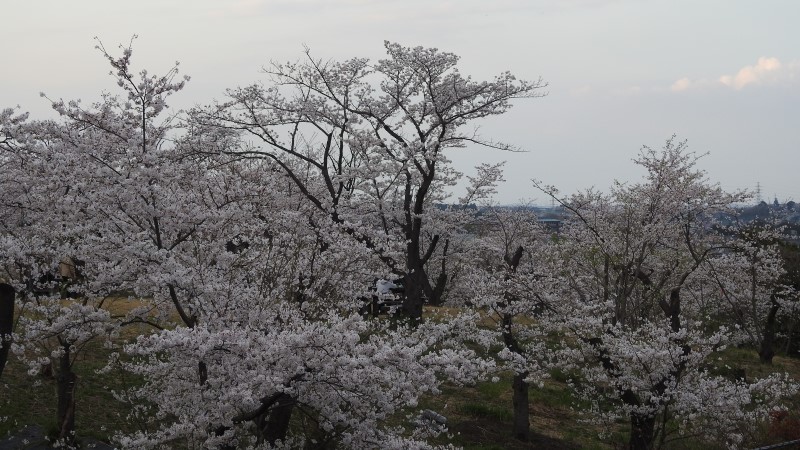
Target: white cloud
(766, 69)
(681, 85)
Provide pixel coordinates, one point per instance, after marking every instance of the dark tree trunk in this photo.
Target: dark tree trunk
(767, 350)
(642, 432)
(787, 348)
(427, 288)
(376, 306)
(275, 424)
(522, 425)
(435, 293)
(414, 293)
(202, 372)
(66, 381)
(432, 294)
(221, 431)
(6, 322)
(437, 297)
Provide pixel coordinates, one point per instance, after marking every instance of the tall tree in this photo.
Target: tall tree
(754, 286)
(252, 290)
(633, 266)
(510, 279)
(376, 135)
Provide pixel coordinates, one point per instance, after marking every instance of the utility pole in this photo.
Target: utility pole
(758, 192)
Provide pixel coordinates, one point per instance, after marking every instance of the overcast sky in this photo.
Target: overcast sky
(722, 74)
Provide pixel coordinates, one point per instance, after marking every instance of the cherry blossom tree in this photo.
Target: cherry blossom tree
(633, 265)
(105, 187)
(753, 286)
(251, 289)
(8, 124)
(510, 279)
(341, 386)
(246, 234)
(376, 135)
(37, 241)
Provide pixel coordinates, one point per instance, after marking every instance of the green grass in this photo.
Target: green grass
(31, 400)
(484, 411)
(479, 416)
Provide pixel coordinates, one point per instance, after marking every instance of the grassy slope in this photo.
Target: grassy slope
(483, 414)
(479, 417)
(31, 400)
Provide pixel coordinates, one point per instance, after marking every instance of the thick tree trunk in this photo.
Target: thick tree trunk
(202, 372)
(767, 350)
(435, 293)
(522, 425)
(66, 381)
(6, 322)
(376, 306)
(432, 294)
(416, 278)
(438, 291)
(787, 348)
(275, 424)
(414, 293)
(427, 288)
(642, 432)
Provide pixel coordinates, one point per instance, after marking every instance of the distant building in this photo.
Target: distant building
(552, 225)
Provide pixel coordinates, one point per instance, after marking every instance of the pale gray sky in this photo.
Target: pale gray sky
(723, 74)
